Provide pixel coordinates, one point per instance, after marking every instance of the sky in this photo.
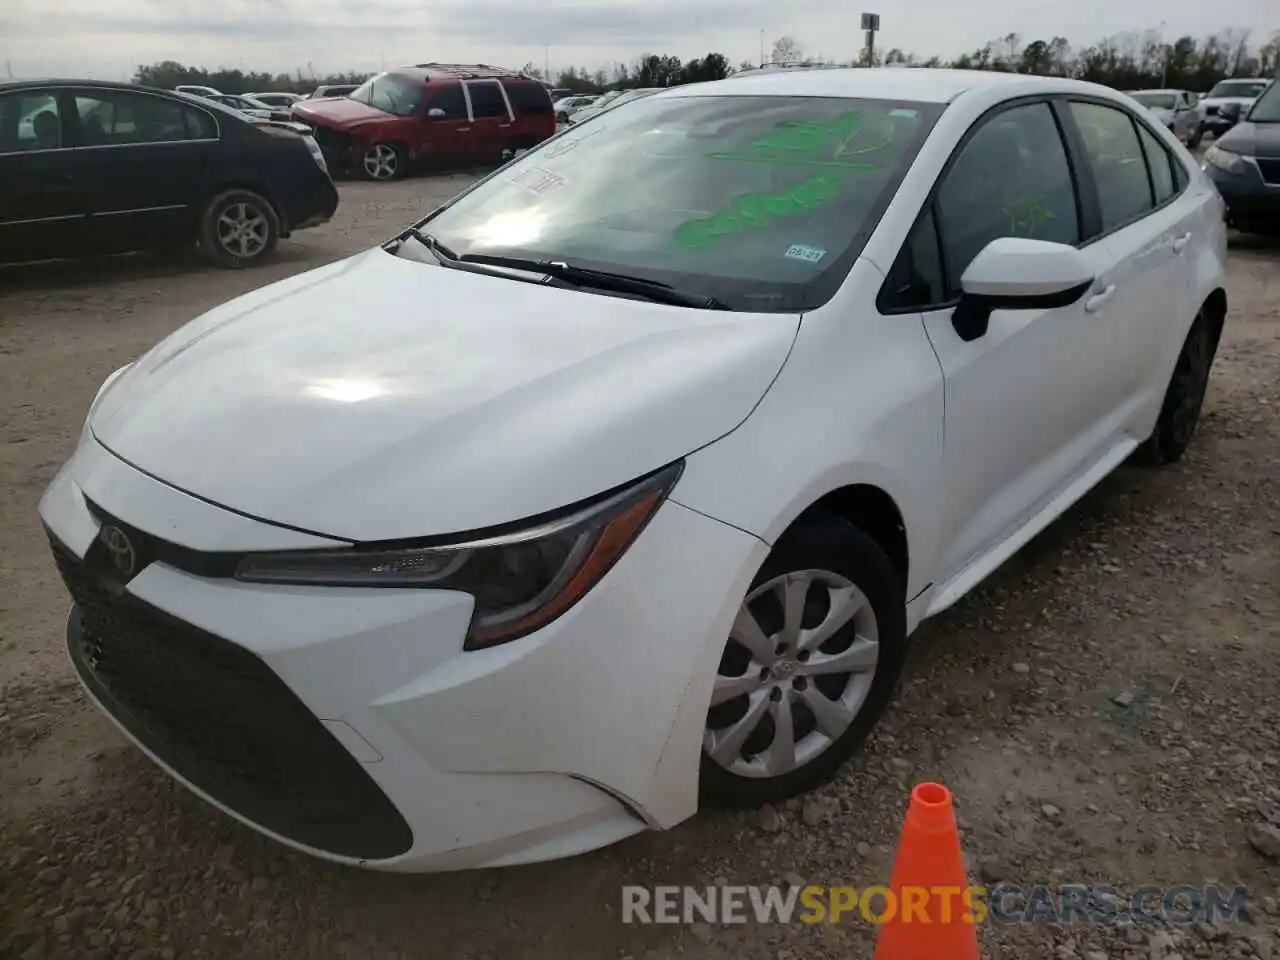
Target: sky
(106, 39)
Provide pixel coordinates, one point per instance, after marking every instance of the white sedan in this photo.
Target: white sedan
(573, 508)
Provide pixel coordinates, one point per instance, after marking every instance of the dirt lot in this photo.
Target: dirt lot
(1106, 709)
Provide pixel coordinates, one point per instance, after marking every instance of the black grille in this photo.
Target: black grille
(1270, 167)
(223, 720)
(1211, 111)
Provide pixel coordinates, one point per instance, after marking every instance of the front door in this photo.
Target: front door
(1025, 403)
(43, 202)
(491, 126)
(146, 155)
(444, 134)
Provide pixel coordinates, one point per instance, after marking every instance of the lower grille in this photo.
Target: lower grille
(226, 722)
(1270, 168)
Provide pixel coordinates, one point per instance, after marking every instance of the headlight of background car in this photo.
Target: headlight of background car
(521, 580)
(1224, 159)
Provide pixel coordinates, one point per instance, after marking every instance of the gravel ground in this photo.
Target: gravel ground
(1106, 708)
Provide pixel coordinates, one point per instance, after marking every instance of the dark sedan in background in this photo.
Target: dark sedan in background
(1245, 165)
(89, 168)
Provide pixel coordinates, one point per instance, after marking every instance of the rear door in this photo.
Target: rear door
(1146, 229)
(147, 154)
(43, 200)
(491, 121)
(444, 133)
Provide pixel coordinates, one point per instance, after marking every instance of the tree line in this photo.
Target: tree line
(1127, 61)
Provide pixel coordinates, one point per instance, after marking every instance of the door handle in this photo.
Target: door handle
(503, 126)
(463, 129)
(1094, 303)
(1181, 242)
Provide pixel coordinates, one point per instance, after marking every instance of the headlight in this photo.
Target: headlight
(1224, 159)
(521, 579)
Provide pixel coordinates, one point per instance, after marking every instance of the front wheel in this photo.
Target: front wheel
(1183, 398)
(1197, 135)
(810, 665)
(239, 229)
(382, 161)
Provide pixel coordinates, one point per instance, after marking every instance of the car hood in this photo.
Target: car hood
(380, 398)
(339, 111)
(1222, 101)
(1252, 139)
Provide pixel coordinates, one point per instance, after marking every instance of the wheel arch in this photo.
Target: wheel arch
(873, 511)
(1215, 310)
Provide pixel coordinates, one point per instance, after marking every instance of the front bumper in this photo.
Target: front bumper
(349, 723)
(1252, 196)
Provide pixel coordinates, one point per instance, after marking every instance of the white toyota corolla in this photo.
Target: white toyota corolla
(618, 484)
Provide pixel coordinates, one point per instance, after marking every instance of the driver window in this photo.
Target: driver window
(450, 100)
(1011, 179)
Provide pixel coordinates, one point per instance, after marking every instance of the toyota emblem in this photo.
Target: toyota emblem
(120, 549)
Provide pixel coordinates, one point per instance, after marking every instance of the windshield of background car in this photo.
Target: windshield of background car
(1156, 101)
(398, 96)
(760, 202)
(1237, 88)
(1266, 109)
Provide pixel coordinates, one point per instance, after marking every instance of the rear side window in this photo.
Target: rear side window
(450, 100)
(1160, 163)
(528, 99)
(1012, 179)
(29, 121)
(1114, 152)
(487, 100)
(113, 118)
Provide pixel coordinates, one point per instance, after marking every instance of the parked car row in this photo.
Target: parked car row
(89, 167)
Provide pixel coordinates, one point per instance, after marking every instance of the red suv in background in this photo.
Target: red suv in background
(433, 113)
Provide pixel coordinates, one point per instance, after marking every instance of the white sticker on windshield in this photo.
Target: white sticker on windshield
(905, 114)
(799, 251)
(538, 180)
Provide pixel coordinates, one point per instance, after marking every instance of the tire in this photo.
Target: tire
(383, 162)
(1193, 141)
(829, 554)
(1183, 398)
(239, 229)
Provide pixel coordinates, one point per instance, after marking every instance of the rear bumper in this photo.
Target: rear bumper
(310, 204)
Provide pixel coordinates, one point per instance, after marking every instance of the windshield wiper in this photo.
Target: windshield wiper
(602, 280)
(438, 249)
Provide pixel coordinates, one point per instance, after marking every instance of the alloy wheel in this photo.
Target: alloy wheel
(800, 662)
(381, 162)
(243, 230)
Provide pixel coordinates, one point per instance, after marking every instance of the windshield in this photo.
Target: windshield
(1238, 88)
(1266, 109)
(399, 96)
(1156, 101)
(760, 202)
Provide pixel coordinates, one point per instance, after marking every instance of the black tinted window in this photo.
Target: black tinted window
(1011, 179)
(1115, 156)
(113, 118)
(528, 97)
(450, 100)
(486, 100)
(29, 121)
(916, 279)
(1160, 163)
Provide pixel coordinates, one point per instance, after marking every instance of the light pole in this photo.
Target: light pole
(546, 62)
(762, 46)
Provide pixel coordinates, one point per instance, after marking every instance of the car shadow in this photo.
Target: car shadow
(1249, 243)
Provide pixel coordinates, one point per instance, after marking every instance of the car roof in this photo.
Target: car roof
(428, 72)
(881, 83)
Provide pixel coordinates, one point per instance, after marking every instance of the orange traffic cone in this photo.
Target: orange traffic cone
(931, 919)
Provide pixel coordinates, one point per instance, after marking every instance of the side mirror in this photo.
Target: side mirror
(435, 113)
(1014, 273)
